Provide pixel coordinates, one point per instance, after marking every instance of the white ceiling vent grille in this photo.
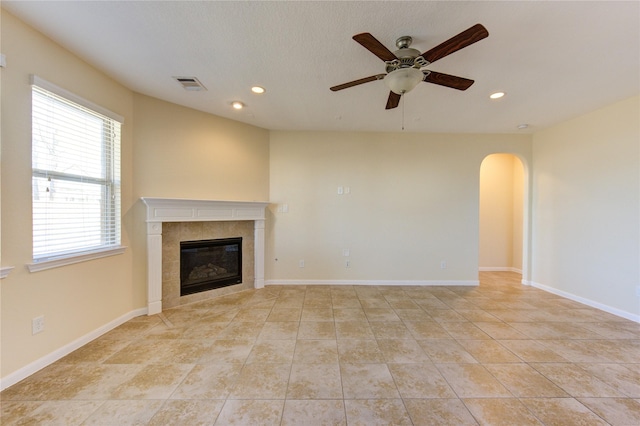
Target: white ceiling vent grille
(191, 84)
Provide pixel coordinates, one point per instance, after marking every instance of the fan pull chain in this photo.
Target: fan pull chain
(403, 111)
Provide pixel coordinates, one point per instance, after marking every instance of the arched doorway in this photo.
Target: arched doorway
(503, 215)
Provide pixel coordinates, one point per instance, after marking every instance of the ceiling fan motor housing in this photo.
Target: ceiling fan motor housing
(406, 56)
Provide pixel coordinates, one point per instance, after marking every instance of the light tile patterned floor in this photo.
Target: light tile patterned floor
(497, 354)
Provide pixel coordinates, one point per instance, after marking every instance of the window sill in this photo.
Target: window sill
(4, 272)
(76, 258)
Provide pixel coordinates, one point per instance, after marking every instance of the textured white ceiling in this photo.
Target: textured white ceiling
(555, 60)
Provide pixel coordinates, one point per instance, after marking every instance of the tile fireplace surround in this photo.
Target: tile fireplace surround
(162, 210)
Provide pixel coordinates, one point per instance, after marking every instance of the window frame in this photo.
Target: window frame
(108, 184)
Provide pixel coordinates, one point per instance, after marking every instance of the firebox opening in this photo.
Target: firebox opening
(210, 264)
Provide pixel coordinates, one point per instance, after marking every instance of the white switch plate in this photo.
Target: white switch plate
(37, 325)
(346, 252)
(301, 263)
(340, 190)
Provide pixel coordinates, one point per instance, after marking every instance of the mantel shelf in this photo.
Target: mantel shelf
(185, 210)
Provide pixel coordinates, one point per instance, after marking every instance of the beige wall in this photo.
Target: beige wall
(413, 203)
(586, 203)
(75, 299)
(501, 208)
(520, 200)
(183, 153)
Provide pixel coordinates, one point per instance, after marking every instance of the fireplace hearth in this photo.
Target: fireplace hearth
(210, 264)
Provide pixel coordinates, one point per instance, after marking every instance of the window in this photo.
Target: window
(76, 175)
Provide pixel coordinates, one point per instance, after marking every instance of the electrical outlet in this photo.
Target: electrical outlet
(301, 263)
(443, 264)
(37, 325)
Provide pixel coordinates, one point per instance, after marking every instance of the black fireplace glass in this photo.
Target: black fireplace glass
(210, 264)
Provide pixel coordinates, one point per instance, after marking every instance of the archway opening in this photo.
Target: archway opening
(502, 214)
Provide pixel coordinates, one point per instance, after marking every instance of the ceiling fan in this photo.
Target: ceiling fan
(404, 66)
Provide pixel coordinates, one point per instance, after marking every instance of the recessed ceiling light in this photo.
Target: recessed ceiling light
(258, 90)
(523, 126)
(496, 95)
(237, 105)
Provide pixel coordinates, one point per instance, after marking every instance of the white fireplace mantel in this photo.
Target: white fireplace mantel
(161, 210)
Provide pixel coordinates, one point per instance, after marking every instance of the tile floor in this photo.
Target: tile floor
(497, 354)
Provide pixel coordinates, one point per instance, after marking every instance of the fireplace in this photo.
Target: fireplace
(210, 264)
(171, 220)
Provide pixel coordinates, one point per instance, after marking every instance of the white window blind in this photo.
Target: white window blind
(76, 175)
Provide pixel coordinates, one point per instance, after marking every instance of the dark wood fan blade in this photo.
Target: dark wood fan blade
(455, 43)
(357, 82)
(448, 80)
(393, 101)
(370, 43)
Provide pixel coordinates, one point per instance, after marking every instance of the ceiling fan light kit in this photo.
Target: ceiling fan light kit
(404, 66)
(403, 80)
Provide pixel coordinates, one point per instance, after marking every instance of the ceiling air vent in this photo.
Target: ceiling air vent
(191, 84)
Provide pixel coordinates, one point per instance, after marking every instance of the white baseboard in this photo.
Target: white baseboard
(614, 311)
(499, 269)
(52, 357)
(375, 282)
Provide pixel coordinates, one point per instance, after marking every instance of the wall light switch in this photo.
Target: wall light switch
(347, 190)
(346, 252)
(340, 190)
(37, 325)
